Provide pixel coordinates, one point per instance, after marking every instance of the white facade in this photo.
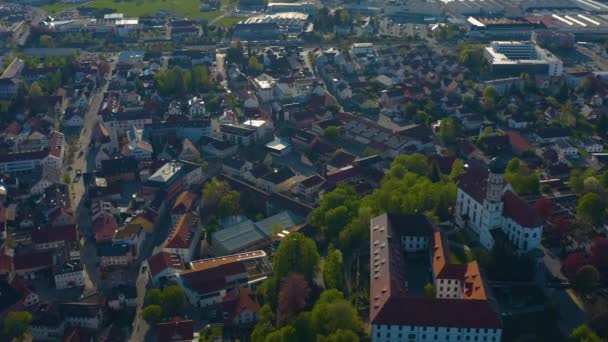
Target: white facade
(84, 322)
(69, 279)
(406, 333)
(43, 332)
(448, 288)
(483, 218)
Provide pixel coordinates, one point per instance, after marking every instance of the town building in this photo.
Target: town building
(70, 275)
(184, 237)
(516, 57)
(172, 178)
(82, 315)
(460, 311)
(492, 210)
(207, 281)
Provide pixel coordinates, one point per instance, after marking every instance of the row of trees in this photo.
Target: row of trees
(177, 81)
(412, 185)
(163, 303)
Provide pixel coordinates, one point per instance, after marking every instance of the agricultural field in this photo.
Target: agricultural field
(135, 8)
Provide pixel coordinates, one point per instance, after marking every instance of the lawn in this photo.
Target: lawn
(136, 8)
(228, 22)
(57, 7)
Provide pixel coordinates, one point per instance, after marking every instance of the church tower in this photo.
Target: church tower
(493, 202)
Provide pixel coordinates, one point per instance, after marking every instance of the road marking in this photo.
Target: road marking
(576, 300)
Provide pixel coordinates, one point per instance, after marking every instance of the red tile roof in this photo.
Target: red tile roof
(50, 234)
(184, 202)
(161, 261)
(176, 330)
(474, 182)
(183, 232)
(105, 227)
(450, 313)
(520, 211)
(29, 261)
(238, 300)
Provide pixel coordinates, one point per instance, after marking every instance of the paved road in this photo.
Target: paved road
(79, 162)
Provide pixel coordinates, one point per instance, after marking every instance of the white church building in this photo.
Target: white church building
(488, 206)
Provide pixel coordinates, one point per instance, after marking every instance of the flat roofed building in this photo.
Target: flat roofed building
(515, 57)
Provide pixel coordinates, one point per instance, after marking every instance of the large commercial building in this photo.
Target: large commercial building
(402, 250)
(516, 57)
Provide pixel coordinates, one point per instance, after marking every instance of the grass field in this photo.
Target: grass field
(228, 22)
(135, 8)
(56, 7)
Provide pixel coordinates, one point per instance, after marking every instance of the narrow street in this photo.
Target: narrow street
(81, 153)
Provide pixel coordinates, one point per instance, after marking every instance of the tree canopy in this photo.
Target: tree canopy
(17, 323)
(296, 253)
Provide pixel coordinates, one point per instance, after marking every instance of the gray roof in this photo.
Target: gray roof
(285, 219)
(246, 233)
(238, 236)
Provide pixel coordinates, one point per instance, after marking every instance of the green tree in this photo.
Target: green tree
(332, 312)
(576, 181)
(254, 64)
(521, 178)
(416, 163)
(429, 290)
(17, 323)
(447, 131)
(336, 209)
(284, 334)
(264, 326)
(457, 169)
(152, 313)
(154, 296)
(173, 298)
(490, 92)
(229, 204)
(296, 253)
(331, 133)
(67, 179)
(583, 334)
(590, 207)
(36, 89)
(340, 335)
(586, 280)
(213, 192)
(410, 109)
(47, 41)
(333, 270)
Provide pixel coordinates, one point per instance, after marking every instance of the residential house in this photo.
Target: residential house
(208, 280)
(122, 296)
(236, 167)
(70, 275)
(184, 237)
(189, 152)
(111, 254)
(187, 201)
(309, 187)
(82, 315)
(54, 237)
(240, 307)
(132, 235)
(164, 266)
(217, 148)
(176, 330)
